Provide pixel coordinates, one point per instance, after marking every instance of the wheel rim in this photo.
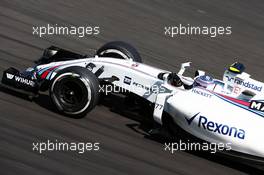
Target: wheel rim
(71, 94)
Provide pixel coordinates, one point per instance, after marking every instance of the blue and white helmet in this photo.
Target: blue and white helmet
(204, 81)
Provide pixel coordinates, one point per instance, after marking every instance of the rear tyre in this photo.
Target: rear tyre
(75, 91)
(119, 49)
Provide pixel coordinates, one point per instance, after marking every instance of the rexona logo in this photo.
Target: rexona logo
(217, 128)
(244, 83)
(257, 105)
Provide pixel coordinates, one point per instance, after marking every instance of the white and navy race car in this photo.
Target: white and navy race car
(216, 111)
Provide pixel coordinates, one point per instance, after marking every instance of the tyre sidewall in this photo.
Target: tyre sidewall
(88, 80)
(123, 47)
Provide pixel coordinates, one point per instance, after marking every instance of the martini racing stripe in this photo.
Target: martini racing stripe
(242, 102)
(42, 70)
(239, 103)
(244, 106)
(45, 73)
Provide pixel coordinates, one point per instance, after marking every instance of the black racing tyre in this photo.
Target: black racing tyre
(119, 49)
(75, 91)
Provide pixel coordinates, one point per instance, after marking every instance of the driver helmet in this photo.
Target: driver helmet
(204, 81)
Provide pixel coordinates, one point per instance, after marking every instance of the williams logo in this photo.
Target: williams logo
(9, 76)
(257, 105)
(215, 127)
(25, 81)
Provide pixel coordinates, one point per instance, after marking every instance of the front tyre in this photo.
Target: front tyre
(120, 50)
(75, 91)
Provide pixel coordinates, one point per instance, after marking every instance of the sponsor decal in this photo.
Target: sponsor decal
(141, 86)
(135, 65)
(20, 79)
(24, 81)
(246, 84)
(9, 76)
(202, 93)
(127, 80)
(189, 121)
(236, 90)
(257, 105)
(218, 128)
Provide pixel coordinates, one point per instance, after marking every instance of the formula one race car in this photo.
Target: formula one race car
(228, 111)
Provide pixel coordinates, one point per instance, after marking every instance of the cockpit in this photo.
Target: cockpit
(236, 83)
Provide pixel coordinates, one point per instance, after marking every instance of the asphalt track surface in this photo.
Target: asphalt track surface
(124, 145)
